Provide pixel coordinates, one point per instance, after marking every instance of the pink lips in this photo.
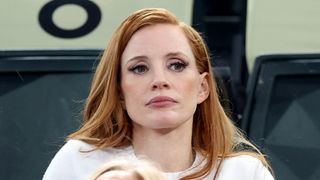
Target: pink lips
(161, 101)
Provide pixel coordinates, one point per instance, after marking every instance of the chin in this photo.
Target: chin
(164, 130)
(166, 123)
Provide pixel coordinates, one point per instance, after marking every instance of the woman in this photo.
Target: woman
(154, 94)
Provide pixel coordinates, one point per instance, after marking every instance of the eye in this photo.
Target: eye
(177, 66)
(139, 69)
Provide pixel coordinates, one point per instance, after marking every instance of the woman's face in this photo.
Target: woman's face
(160, 83)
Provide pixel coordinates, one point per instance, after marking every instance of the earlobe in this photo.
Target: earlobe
(204, 88)
(121, 98)
(123, 105)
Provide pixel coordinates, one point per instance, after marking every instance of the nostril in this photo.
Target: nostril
(160, 85)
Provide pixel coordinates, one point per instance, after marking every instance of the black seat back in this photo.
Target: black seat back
(41, 97)
(282, 115)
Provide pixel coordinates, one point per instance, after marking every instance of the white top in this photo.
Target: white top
(70, 163)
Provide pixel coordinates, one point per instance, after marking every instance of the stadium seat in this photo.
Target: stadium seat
(282, 115)
(41, 97)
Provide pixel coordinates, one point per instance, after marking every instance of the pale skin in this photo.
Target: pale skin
(161, 87)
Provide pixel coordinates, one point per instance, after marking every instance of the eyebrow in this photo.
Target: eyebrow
(137, 58)
(177, 54)
(171, 54)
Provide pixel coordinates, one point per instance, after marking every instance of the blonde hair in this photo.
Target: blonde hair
(141, 169)
(106, 124)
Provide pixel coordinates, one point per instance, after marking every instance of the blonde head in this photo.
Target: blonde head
(138, 170)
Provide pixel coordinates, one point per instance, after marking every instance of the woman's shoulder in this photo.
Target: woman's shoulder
(244, 167)
(72, 149)
(80, 148)
(246, 160)
(78, 158)
(236, 167)
(74, 145)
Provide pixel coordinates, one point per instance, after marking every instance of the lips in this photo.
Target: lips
(161, 101)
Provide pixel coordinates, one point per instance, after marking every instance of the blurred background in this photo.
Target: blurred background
(265, 55)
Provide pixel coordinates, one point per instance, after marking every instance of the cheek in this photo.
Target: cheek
(127, 90)
(191, 86)
(132, 93)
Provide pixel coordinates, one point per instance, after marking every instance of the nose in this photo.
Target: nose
(160, 85)
(160, 81)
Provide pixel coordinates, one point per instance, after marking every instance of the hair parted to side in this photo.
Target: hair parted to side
(106, 124)
(141, 169)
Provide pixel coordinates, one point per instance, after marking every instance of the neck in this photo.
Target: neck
(171, 149)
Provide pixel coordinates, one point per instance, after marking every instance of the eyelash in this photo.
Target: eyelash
(135, 69)
(177, 66)
(181, 64)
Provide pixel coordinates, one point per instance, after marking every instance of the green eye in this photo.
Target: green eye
(139, 69)
(177, 66)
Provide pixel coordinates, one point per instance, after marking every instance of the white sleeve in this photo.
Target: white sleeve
(262, 173)
(63, 165)
(244, 167)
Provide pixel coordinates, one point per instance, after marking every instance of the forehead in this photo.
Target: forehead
(162, 38)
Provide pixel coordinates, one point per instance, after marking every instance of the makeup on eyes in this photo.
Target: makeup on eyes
(139, 68)
(178, 65)
(176, 61)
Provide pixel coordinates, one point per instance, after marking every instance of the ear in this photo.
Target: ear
(121, 97)
(204, 88)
